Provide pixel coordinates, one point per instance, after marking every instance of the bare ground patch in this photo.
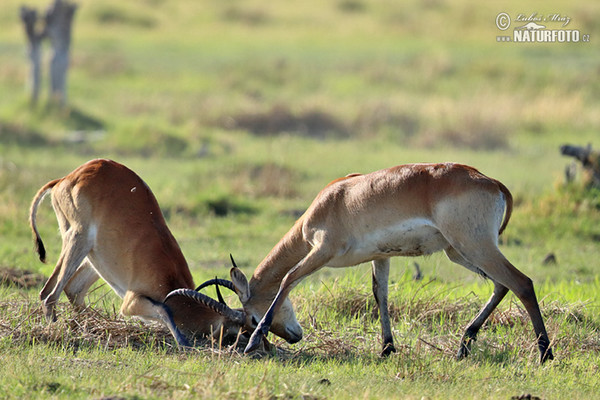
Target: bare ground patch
(20, 278)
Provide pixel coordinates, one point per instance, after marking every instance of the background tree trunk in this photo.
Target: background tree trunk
(59, 19)
(34, 39)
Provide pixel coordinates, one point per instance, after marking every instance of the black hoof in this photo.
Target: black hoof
(464, 350)
(547, 355)
(387, 350)
(253, 343)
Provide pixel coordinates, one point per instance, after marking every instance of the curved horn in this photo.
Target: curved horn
(217, 281)
(219, 295)
(235, 315)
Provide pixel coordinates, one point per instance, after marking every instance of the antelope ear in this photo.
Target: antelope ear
(240, 283)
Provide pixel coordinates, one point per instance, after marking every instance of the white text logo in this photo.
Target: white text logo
(533, 28)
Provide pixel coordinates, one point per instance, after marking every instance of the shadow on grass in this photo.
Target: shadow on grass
(19, 135)
(78, 119)
(71, 119)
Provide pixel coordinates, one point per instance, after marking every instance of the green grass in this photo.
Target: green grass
(248, 109)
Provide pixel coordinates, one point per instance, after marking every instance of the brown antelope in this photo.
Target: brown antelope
(112, 227)
(409, 210)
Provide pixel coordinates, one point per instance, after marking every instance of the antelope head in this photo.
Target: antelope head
(226, 321)
(198, 315)
(256, 301)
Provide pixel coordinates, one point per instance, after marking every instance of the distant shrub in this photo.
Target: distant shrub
(224, 206)
(485, 138)
(351, 6)
(372, 119)
(148, 140)
(280, 119)
(110, 14)
(251, 17)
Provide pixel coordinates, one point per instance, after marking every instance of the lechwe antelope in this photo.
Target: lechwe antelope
(112, 227)
(409, 210)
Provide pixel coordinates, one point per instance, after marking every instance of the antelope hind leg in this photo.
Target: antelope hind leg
(495, 266)
(80, 283)
(470, 334)
(75, 248)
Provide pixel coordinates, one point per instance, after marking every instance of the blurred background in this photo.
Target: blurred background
(237, 112)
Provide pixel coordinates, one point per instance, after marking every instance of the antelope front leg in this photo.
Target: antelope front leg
(79, 284)
(314, 260)
(262, 329)
(381, 271)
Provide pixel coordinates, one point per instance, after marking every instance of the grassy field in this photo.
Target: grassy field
(236, 114)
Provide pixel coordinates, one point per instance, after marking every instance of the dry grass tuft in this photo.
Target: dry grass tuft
(24, 323)
(350, 342)
(433, 324)
(359, 303)
(421, 326)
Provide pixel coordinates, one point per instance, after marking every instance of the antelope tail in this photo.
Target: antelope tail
(509, 205)
(39, 245)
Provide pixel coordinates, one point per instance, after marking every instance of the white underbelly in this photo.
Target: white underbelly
(414, 237)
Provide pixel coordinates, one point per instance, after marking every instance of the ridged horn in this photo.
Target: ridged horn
(234, 315)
